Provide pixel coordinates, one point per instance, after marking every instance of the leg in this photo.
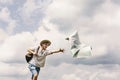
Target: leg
(35, 76)
(35, 71)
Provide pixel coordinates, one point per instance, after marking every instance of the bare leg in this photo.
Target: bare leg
(35, 76)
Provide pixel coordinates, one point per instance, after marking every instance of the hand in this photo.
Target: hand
(61, 50)
(67, 38)
(30, 51)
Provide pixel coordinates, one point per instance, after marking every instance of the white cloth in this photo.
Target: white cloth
(79, 49)
(39, 60)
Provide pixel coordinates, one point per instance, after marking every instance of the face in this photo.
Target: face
(44, 46)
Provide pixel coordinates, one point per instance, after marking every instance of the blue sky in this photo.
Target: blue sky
(23, 23)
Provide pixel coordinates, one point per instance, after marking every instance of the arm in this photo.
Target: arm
(60, 50)
(49, 53)
(31, 51)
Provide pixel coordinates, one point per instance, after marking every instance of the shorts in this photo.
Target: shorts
(34, 69)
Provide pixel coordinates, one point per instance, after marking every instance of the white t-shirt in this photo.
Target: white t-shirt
(39, 60)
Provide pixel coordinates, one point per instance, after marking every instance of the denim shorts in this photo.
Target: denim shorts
(34, 69)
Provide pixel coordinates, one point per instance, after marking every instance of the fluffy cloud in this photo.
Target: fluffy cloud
(6, 1)
(9, 71)
(95, 30)
(12, 47)
(103, 27)
(69, 15)
(97, 22)
(64, 13)
(33, 11)
(68, 10)
(6, 18)
(47, 29)
(3, 35)
(80, 72)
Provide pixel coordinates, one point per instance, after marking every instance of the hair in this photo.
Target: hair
(45, 41)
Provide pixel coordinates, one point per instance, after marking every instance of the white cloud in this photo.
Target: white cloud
(64, 13)
(3, 35)
(5, 14)
(9, 71)
(15, 46)
(100, 30)
(27, 10)
(80, 72)
(70, 77)
(33, 10)
(64, 10)
(107, 15)
(106, 23)
(47, 30)
(5, 17)
(62, 72)
(6, 1)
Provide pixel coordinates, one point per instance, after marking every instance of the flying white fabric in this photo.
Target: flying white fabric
(78, 49)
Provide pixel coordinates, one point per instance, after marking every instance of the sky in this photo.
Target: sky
(24, 23)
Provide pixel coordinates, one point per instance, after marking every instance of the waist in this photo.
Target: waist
(33, 65)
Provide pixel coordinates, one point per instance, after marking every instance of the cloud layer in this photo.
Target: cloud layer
(25, 25)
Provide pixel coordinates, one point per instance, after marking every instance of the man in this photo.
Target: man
(39, 57)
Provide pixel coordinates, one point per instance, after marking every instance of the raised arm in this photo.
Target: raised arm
(31, 51)
(52, 52)
(60, 50)
(34, 51)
